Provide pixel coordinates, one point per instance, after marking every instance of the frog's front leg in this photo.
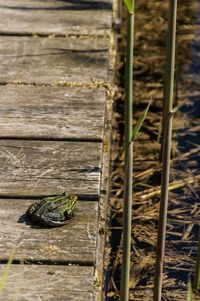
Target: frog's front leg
(69, 214)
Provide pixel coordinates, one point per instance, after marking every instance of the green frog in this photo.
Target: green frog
(53, 211)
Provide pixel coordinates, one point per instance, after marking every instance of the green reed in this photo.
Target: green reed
(130, 135)
(127, 209)
(189, 291)
(166, 148)
(196, 284)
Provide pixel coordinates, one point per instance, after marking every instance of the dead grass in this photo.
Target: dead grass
(184, 208)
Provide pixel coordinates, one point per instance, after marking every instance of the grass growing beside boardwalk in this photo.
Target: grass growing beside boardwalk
(149, 65)
(189, 291)
(5, 273)
(127, 207)
(130, 136)
(166, 148)
(196, 284)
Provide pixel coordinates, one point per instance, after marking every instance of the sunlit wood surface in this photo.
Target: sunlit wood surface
(55, 73)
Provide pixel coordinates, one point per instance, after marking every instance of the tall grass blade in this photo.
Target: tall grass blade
(6, 271)
(127, 210)
(140, 121)
(196, 283)
(129, 5)
(166, 148)
(189, 291)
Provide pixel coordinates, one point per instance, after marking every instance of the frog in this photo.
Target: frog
(53, 211)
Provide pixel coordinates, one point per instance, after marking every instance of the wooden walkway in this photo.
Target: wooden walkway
(56, 70)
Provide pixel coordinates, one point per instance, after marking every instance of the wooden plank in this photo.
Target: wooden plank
(48, 283)
(58, 17)
(51, 59)
(36, 168)
(51, 112)
(74, 242)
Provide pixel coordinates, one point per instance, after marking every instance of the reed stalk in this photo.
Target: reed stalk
(189, 291)
(166, 148)
(196, 284)
(127, 210)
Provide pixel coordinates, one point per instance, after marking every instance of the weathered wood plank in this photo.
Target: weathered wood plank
(48, 283)
(51, 112)
(51, 59)
(74, 242)
(58, 17)
(36, 168)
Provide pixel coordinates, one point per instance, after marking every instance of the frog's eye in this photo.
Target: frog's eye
(31, 208)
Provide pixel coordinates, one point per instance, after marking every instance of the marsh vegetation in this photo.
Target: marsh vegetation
(183, 208)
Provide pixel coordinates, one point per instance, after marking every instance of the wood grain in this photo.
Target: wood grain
(36, 168)
(55, 17)
(48, 283)
(51, 112)
(74, 242)
(43, 43)
(53, 59)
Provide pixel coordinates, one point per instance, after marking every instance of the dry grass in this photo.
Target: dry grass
(184, 208)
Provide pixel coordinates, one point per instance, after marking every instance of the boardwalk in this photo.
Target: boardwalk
(55, 99)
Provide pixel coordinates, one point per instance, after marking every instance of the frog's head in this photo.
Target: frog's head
(31, 209)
